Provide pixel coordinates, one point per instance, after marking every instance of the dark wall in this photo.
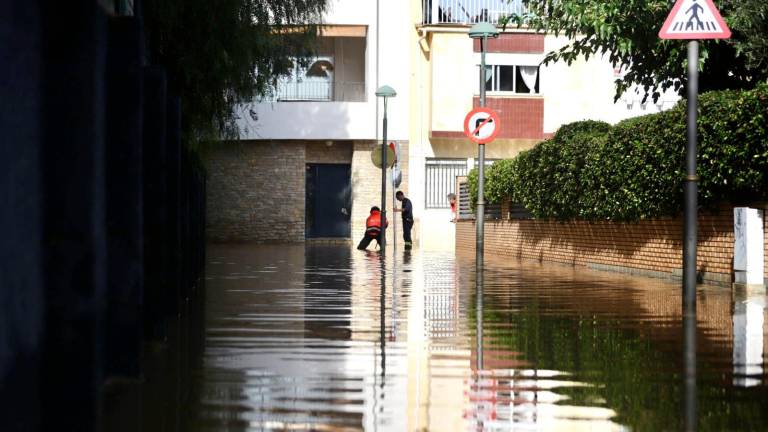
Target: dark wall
(21, 195)
(81, 212)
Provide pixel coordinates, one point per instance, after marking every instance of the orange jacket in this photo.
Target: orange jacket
(373, 223)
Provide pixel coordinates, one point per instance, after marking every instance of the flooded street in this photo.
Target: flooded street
(320, 338)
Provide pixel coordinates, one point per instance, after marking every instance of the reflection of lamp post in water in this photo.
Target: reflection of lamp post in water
(384, 92)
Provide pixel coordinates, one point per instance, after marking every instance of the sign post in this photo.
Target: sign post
(692, 20)
(384, 92)
(481, 125)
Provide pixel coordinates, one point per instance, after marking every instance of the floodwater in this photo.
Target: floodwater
(320, 338)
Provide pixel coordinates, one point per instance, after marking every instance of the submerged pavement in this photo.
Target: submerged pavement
(323, 338)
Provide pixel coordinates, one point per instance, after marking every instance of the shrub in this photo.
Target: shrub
(634, 170)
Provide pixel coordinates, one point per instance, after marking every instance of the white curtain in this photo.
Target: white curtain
(529, 74)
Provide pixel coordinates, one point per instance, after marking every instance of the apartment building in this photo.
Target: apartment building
(533, 100)
(302, 168)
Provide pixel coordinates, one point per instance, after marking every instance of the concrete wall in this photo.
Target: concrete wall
(649, 247)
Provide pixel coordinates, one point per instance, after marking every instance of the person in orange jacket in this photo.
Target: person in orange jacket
(372, 228)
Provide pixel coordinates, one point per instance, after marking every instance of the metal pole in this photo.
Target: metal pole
(689, 245)
(394, 219)
(384, 179)
(480, 243)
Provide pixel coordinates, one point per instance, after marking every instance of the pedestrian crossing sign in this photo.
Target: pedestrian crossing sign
(694, 19)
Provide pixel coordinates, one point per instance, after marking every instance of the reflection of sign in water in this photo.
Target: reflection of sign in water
(694, 19)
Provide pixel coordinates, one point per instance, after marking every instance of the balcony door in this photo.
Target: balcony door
(328, 200)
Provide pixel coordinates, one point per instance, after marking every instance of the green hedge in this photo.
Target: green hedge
(593, 171)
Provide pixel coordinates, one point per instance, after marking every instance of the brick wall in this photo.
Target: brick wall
(256, 191)
(520, 117)
(650, 248)
(329, 152)
(366, 187)
(514, 43)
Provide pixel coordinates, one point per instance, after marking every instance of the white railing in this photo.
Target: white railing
(470, 11)
(292, 90)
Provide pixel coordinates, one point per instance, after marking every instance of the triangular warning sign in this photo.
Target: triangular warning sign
(694, 19)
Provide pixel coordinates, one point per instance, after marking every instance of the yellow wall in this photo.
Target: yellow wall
(454, 80)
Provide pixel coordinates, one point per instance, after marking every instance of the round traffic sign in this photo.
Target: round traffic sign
(376, 156)
(481, 125)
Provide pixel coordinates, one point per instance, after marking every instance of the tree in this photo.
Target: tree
(751, 20)
(626, 32)
(222, 52)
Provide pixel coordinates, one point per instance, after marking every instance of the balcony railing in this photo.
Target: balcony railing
(470, 11)
(319, 91)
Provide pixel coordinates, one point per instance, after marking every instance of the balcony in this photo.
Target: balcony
(470, 11)
(336, 74)
(318, 90)
(324, 98)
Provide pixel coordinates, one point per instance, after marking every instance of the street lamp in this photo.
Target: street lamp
(481, 31)
(384, 92)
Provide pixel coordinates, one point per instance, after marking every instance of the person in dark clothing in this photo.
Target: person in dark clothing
(406, 208)
(372, 228)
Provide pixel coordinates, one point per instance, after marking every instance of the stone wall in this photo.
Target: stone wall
(366, 189)
(648, 248)
(256, 191)
(329, 152)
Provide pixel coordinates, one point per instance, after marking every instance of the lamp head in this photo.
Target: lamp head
(483, 30)
(386, 91)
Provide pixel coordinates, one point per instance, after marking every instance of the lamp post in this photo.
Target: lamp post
(481, 31)
(384, 92)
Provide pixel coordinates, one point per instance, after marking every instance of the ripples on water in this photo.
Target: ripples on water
(305, 339)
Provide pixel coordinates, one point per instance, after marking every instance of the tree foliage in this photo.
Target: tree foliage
(626, 33)
(223, 52)
(751, 20)
(634, 170)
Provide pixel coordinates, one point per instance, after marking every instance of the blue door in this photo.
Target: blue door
(328, 200)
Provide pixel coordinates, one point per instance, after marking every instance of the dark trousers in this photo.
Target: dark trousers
(368, 238)
(407, 225)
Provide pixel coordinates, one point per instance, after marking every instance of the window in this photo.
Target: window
(440, 180)
(513, 79)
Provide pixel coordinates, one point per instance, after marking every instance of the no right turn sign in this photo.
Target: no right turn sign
(481, 125)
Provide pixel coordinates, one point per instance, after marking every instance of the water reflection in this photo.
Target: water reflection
(329, 338)
(748, 336)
